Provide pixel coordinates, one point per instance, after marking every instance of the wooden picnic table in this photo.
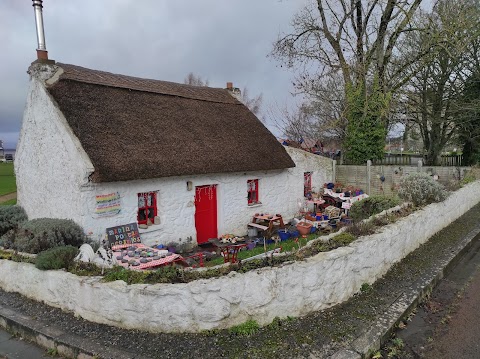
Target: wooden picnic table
(269, 220)
(229, 250)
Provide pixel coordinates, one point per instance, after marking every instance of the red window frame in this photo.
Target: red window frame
(307, 183)
(147, 211)
(252, 191)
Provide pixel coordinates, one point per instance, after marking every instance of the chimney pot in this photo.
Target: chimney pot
(42, 54)
(229, 85)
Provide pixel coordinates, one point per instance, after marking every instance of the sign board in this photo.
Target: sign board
(346, 205)
(107, 205)
(124, 234)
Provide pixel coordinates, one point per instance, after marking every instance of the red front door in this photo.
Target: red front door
(206, 213)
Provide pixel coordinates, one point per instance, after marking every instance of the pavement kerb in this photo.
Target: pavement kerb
(65, 344)
(380, 332)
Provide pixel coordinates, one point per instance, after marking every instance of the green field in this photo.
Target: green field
(10, 202)
(7, 179)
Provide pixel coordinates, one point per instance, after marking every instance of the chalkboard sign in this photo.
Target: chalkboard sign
(124, 234)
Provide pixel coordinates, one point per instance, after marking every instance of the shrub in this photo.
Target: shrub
(372, 205)
(56, 258)
(38, 235)
(10, 218)
(343, 239)
(361, 229)
(469, 178)
(245, 329)
(421, 189)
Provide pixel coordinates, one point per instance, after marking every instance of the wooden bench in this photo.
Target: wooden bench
(259, 226)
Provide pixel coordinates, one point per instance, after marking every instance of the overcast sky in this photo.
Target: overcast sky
(162, 39)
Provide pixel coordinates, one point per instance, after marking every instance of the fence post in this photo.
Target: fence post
(334, 172)
(369, 176)
(420, 165)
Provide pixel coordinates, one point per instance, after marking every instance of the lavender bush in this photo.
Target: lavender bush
(421, 189)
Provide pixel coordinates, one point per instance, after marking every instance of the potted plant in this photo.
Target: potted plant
(304, 228)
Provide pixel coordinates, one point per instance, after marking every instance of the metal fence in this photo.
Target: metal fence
(412, 160)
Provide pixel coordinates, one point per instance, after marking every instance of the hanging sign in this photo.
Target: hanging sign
(107, 205)
(124, 234)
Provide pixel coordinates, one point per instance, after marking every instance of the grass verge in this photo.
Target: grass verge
(7, 179)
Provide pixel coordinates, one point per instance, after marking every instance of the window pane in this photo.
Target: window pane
(142, 215)
(141, 200)
(151, 213)
(150, 199)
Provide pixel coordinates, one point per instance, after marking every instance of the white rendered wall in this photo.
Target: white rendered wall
(52, 181)
(279, 192)
(294, 289)
(50, 165)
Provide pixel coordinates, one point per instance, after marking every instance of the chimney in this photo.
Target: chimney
(42, 54)
(234, 91)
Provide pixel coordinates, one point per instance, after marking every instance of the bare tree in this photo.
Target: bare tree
(356, 38)
(434, 94)
(295, 124)
(254, 104)
(195, 80)
(357, 41)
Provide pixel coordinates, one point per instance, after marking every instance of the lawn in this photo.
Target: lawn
(286, 246)
(7, 179)
(10, 202)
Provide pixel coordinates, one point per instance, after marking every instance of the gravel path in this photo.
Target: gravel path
(321, 333)
(8, 197)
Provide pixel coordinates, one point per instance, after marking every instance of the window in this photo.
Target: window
(147, 207)
(307, 183)
(252, 186)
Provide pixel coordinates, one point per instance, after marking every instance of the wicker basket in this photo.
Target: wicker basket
(332, 211)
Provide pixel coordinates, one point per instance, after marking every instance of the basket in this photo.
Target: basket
(332, 211)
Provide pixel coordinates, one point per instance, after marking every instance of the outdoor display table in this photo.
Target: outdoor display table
(269, 220)
(153, 261)
(229, 251)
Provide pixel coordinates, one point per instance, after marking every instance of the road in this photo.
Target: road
(16, 348)
(446, 325)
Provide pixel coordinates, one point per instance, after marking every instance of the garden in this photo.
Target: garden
(55, 243)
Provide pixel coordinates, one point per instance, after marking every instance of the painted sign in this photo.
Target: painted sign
(107, 204)
(124, 234)
(346, 205)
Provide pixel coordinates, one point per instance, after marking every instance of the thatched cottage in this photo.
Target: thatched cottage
(182, 161)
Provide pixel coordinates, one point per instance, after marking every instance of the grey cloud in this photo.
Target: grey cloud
(217, 39)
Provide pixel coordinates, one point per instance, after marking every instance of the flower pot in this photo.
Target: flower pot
(294, 234)
(284, 235)
(304, 228)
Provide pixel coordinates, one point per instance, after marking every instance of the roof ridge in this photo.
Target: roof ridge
(104, 78)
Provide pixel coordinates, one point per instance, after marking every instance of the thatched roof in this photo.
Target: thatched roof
(133, 128)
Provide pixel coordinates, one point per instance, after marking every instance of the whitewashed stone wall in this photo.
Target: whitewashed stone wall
(50, 164)
(291, 290)
(52, 173)
(279, 192)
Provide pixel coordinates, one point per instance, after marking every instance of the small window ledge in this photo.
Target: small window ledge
(255, 205)
(152, 228)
